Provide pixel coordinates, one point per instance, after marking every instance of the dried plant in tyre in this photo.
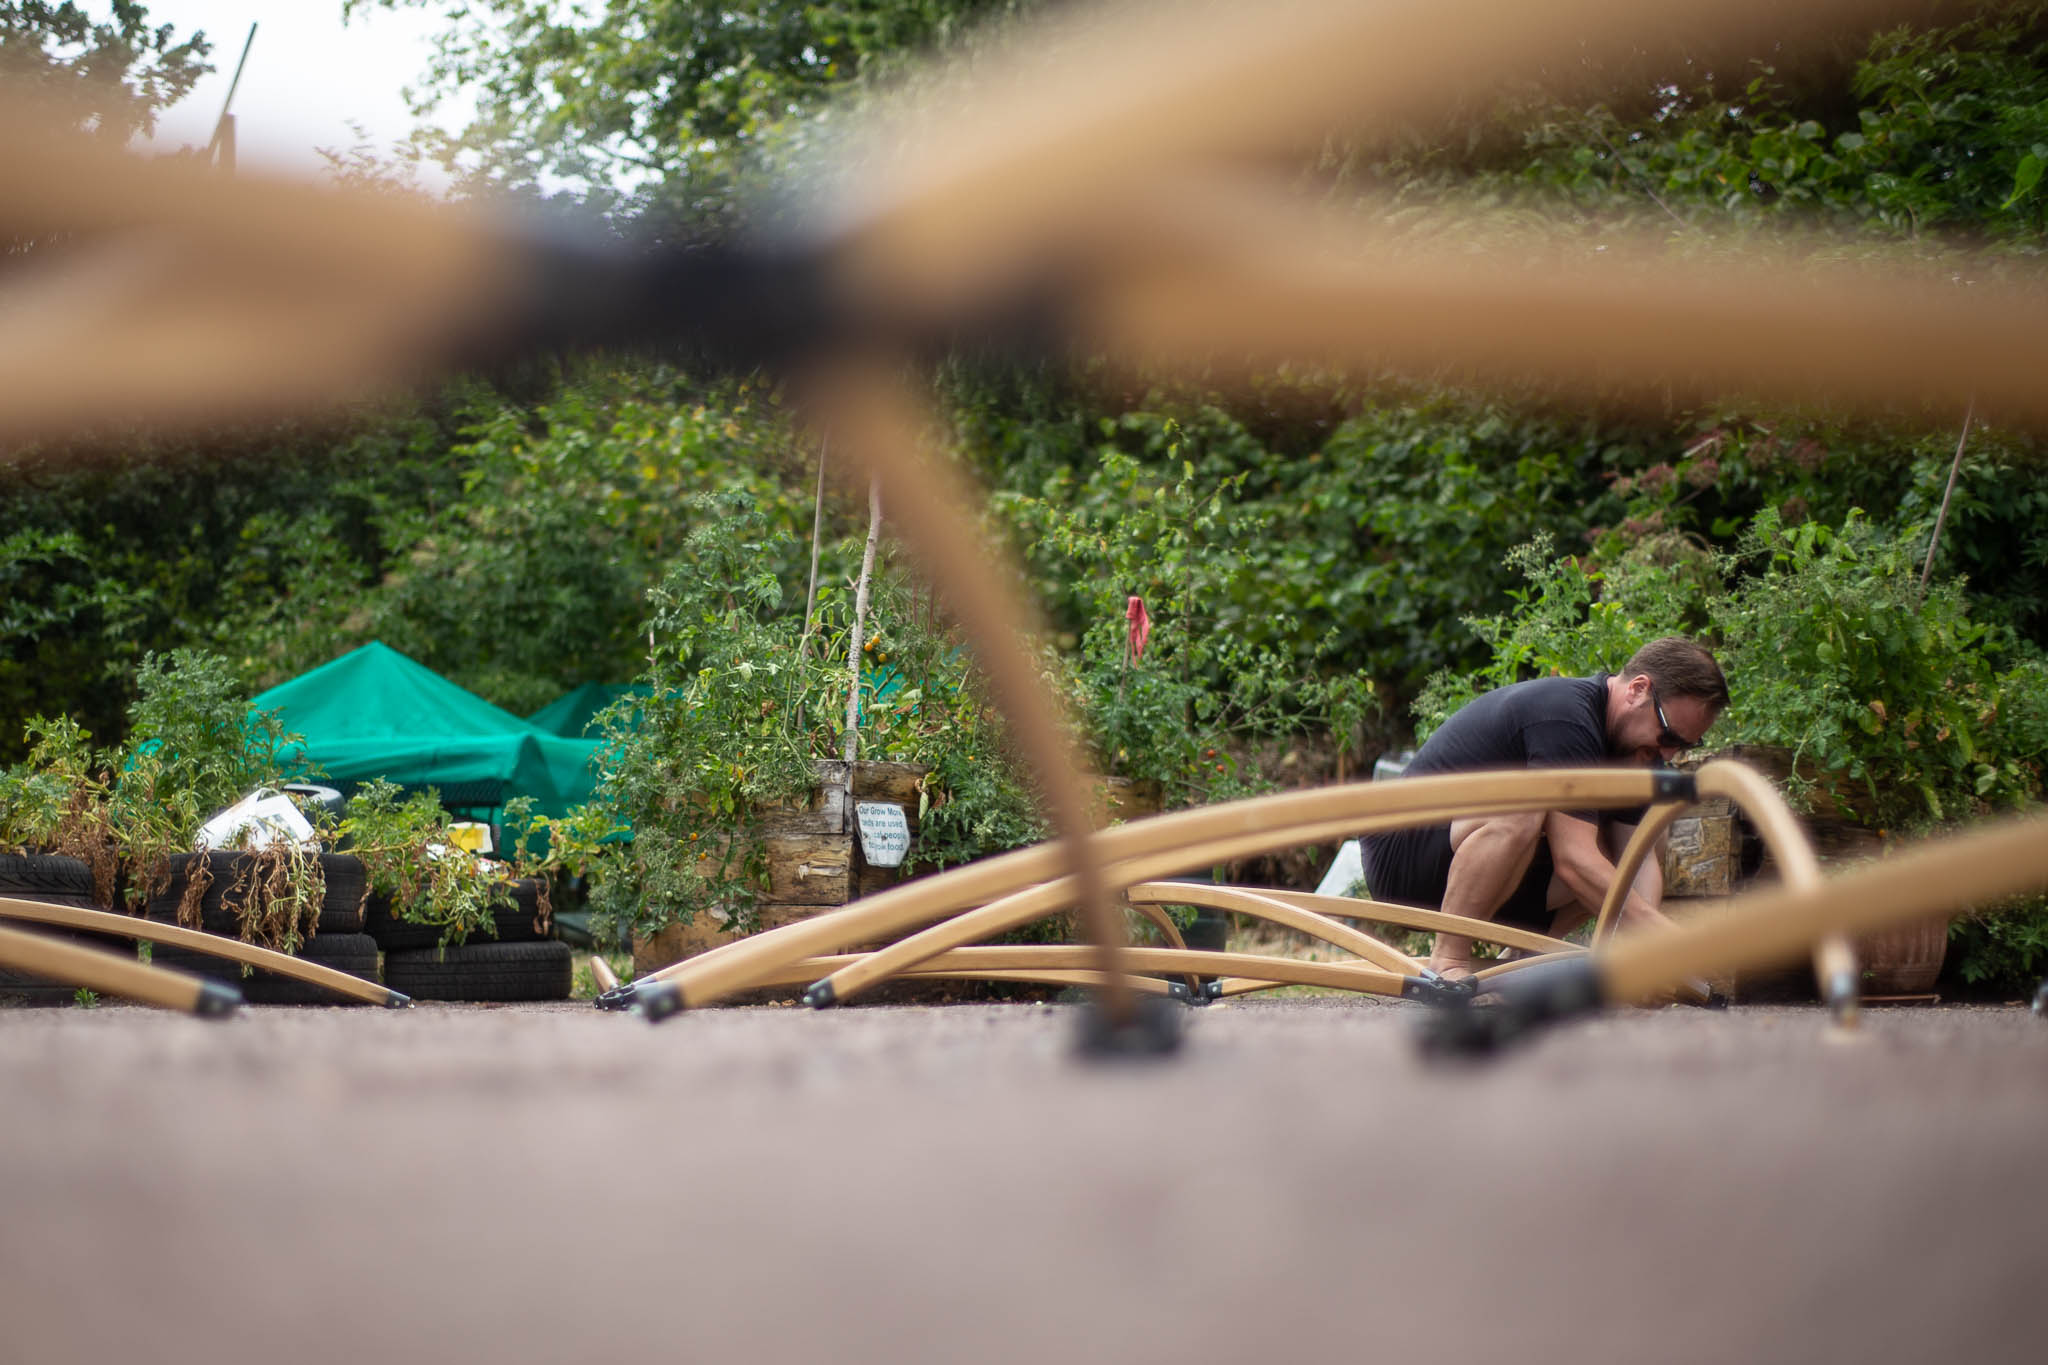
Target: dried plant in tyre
(194, 749)
(276, 892)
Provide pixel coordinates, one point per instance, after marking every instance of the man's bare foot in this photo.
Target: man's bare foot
(1453, 970)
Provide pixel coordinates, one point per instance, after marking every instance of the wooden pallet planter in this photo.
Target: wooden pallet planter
(814, 858)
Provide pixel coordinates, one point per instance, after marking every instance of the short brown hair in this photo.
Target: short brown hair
(1678, 667)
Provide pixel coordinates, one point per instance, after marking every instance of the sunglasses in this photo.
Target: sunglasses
(1668, 738)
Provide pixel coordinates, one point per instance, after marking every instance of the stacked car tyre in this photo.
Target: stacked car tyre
(514, 960)
(52, 880)
(515, 919)
(355, 954)
(337, 940)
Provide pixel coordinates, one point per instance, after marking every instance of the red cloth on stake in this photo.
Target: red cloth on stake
(1141, 627)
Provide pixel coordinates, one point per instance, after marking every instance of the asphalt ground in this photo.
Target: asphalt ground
(552, 1184)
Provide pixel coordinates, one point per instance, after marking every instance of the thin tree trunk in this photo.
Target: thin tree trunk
(860, 616)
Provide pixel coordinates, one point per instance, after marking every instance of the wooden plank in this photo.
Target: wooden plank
(823, 810)
(870, 881)
(899, 783)
(809, 869)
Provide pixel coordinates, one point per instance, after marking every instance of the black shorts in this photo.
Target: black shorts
(1412, 867)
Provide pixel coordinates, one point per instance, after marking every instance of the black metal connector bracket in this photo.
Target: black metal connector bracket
(1153, 1030)
(217, 1000)
(1669, 784)
(1433, 989)
(618, 997)
(660, 999)
(1521, 1004)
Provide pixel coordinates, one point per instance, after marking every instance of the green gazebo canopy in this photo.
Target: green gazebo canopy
(375, 713)
(571, 714)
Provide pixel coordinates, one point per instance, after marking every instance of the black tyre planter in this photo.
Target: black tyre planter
(355, 954)
(53, 880)
(482, 972)
(341, 909)
(46, 877)
(518, 922)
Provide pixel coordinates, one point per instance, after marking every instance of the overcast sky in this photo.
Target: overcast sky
(307, 76)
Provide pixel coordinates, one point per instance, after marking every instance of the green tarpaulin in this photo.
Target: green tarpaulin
(375, 713)
(572, 713)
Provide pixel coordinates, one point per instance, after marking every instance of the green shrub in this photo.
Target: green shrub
(1910, 711)
(1571, 618)
(193, 749)
(742, 704)
(1182, 713)
(405, 844)
(2004, 948)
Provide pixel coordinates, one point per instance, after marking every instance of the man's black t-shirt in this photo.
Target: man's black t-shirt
(1545, 723)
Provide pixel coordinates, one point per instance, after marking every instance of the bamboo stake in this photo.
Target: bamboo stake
(1934, 542)
(1834, 958)
(851, 750)
(1279, 912)
(803, 643)
(888, 429)
(2002, 859)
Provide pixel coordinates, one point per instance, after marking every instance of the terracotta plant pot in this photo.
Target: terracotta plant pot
(1904, 961)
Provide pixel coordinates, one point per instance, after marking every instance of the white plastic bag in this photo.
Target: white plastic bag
(255, 821)
(1346, 869)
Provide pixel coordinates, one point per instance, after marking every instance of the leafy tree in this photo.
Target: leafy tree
(673, 97)
(250, 541)
(1929, 129)
(537, 577)
(507, 535)
(112, 75)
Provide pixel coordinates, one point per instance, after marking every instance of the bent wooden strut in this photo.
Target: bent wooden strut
(72, 964)
(1160, 846)
(100, 921)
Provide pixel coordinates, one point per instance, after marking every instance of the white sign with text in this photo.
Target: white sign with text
(884, 832)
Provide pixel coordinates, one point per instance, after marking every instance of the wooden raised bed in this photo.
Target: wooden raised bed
(814, 859)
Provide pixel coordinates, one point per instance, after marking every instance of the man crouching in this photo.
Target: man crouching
(1548, 871)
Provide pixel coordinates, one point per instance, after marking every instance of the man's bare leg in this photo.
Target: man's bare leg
(1488, 859)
